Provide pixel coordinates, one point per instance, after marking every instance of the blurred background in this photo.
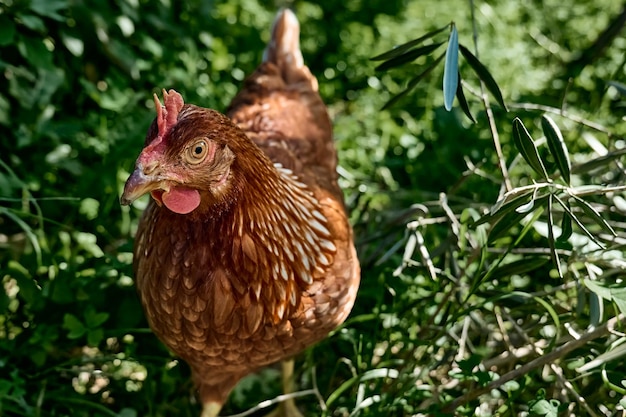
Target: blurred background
(456, 291)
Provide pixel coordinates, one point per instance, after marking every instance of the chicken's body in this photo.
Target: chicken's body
(252, 261)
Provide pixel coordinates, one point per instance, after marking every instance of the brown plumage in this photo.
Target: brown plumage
(244, 255)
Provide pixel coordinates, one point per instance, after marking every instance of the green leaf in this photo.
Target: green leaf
(593, 213)
(74, 325)
(619, 298)
(504, 224)
(408, 57)
(401, 49)
(545, 408)
(48, 83)
(95, 336)
(527, 148)
(7, 30)
(413, 82)
(525, 208)
(596, 309)
(127, 412)
(49, 8)
(578, 222)
(598, 162)
(551, 241)
(485, 76)
(30, 292)
(451, 69)
(501, 209)
(35, 52)
(566, 227)
(32, 22)
(508, 204)
(602, 291)
(614, 294)
(462, 100)
(557, 146)
(94, 319)
(520, 267)
(28, 231)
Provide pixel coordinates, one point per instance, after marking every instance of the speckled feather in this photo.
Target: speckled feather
(266, 265)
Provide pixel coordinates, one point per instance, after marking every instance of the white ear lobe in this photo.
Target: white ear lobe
(228, 155)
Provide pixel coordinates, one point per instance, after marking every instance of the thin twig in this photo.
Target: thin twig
(561, 112)
(463, 340)
(505, 335)
(489, 112)
(320, 399)
(275, 400)
(548, 358)
(581, 192)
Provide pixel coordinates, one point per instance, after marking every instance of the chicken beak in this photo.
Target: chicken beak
(137, 185)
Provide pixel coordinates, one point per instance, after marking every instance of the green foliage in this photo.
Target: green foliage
(484, 246)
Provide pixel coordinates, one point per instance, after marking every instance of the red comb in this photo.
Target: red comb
(168, 114)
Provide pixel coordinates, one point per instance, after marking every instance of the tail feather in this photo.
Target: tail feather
(283, 49)
(284, 46)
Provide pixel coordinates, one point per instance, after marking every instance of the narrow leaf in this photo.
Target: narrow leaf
(578, 222)
(619, 298)
(598, 162)
(557, 146)
(408, 57)
(500, 208)
(525, 208)
(451, 69)
(566, 227)
(551, 241)
(520, 267)
(526, 146)
(598, 289)
(596, 309)
(593, 213)
(400, 49)
(413, 82)
(485, 76)
(28, 231)
(462, 100)
(504, 224)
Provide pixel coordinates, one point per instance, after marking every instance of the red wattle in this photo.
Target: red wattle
(181, 200)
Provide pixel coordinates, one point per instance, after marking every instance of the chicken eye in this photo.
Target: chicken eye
(196, 152)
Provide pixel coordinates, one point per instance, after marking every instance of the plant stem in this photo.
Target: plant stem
(492, 123)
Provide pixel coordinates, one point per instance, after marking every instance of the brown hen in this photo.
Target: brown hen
(244, 256)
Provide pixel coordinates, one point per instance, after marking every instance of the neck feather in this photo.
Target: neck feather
(281, 241)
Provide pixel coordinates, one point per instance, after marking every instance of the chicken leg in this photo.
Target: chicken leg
(288, 407)
(285, 408)
(211, 409)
